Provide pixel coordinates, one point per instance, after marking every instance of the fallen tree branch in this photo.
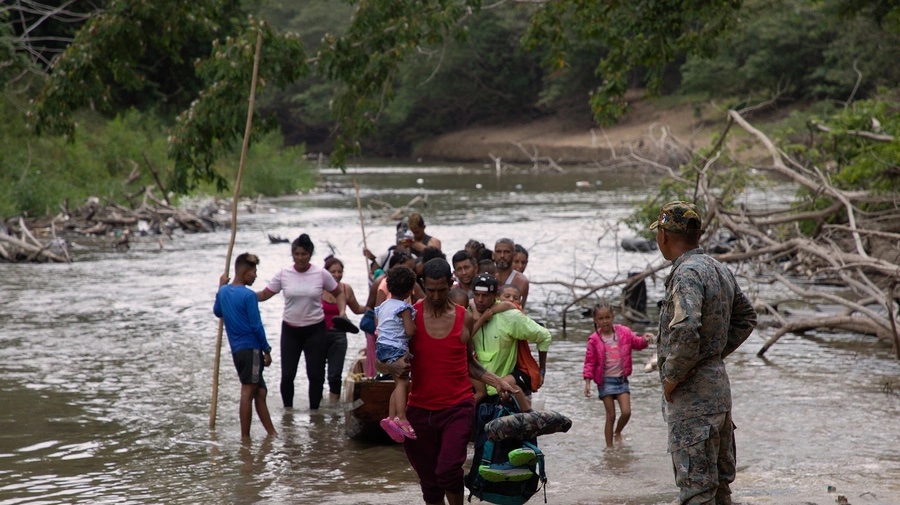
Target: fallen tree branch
(857, 133)
(850, 247)
(846, 323)
(46, 238)
(536, 159)
(34, 252)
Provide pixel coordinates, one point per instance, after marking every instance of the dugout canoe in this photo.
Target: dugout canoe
(365, 402)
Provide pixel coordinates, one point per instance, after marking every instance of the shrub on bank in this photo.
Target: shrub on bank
(109, 159)
(271, 170)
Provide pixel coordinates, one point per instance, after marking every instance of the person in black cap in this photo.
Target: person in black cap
(496, 340)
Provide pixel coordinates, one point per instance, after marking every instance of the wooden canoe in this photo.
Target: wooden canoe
(365, 401)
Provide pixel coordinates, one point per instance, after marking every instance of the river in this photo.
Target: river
(106, 366)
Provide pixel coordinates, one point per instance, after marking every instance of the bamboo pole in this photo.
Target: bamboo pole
(234, 206)
(359, 208)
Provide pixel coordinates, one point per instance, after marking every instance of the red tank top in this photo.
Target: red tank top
(439, 378)
(330, 310)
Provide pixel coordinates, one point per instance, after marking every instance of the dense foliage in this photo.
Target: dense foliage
(799, 50)
(482, 77)
(385, 74)
(41, 175)
(134, 54)
(111, 159)
(853, 161)
(214, 124)
(629, 36)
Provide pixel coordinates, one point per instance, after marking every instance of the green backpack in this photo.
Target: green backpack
(509, 484)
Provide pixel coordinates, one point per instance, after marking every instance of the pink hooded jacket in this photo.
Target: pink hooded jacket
(595, 357)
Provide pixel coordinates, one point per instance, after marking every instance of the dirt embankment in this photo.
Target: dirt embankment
(568, 140)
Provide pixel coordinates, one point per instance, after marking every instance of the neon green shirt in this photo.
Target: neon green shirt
(496, 346)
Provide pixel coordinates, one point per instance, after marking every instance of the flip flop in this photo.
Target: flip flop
(406, 428)
(391, 428)
(343, 324)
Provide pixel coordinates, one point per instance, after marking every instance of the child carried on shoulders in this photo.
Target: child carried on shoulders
(510, 298)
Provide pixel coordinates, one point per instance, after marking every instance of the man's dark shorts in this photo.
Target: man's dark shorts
(523, 380)
(249, 365)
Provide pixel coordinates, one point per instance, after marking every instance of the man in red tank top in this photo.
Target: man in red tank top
(441, 405)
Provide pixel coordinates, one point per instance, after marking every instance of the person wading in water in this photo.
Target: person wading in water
(504, 252)
(441, 406)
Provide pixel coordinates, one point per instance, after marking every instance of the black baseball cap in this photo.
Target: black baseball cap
(484, 283)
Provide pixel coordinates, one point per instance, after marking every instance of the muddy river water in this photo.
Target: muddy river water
(106, 366)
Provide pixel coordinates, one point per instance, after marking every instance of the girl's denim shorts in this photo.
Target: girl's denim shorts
(614, 386)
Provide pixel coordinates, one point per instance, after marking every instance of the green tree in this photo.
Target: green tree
(857, 161)
(13, 61)
(484, 75)
(214, 124)
(134, 54)
(800, 50)
(163, 54)
(629, 36)
(120, 57)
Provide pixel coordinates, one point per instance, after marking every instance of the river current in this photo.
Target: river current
(106, 365)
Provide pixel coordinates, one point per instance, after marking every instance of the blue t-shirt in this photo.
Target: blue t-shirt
(390, 324)
(238, 306)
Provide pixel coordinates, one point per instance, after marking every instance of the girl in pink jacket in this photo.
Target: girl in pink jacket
(608, 363)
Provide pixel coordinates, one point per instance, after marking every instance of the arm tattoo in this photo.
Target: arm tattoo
(476, 371)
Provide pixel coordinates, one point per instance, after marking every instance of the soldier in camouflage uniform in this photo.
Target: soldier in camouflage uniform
(705, 317)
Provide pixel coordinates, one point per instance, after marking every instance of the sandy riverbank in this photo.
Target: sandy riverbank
(575, 140)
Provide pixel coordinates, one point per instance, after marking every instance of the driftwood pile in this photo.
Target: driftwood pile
(853, 251)
(386, 213)
(48, 239)
(850, 263)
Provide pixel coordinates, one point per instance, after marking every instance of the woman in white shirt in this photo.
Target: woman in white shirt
(303, 322)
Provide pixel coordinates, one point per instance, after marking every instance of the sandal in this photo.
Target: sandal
(392, 429)
(405, 427)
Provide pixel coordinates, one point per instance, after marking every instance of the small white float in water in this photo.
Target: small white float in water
(582, 184)
(478, 186)
(420, 181)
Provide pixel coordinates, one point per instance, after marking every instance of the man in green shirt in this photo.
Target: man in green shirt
(496, 342)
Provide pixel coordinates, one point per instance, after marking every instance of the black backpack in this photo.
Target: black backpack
(489, 453)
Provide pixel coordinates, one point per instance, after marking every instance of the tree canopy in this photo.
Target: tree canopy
(415, 67)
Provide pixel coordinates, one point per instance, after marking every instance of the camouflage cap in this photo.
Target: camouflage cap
(678, 217)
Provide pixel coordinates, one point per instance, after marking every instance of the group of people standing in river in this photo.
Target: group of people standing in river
(465, 346)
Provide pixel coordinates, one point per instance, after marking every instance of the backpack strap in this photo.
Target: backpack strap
(541, 472)
(487, 454)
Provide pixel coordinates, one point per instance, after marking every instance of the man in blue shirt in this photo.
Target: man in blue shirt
(238, 307)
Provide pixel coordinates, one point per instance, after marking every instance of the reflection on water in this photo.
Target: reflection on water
(105, 368)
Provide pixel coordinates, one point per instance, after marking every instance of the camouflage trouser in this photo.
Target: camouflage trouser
(703, 458)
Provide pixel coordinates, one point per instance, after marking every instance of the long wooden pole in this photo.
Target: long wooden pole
(359, 208)
(234, 206)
